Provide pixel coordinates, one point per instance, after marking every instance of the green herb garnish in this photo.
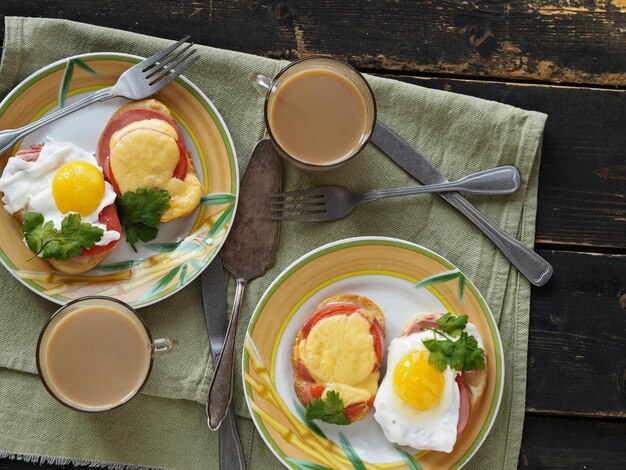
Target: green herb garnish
(452, 325)
(462, 354)
(329, 409)
(69, 242)
(140, 213)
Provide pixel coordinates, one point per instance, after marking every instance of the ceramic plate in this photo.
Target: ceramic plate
(385, 270)
(183, 247)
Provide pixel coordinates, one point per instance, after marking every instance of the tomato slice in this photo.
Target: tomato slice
(347, 308)
(317, 390)
(353, 410)
(339, 308)
(103, 152)
(379, 342)
(107, 217)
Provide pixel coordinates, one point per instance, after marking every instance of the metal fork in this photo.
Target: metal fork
(335, 202)
(140, 81)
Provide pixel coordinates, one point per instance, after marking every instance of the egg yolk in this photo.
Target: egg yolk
(416, 382)
(78, 187)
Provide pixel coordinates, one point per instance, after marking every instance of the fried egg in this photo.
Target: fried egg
(64, 179)
(418, 405)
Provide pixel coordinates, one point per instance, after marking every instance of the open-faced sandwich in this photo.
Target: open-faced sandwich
(67, 201)
(144, 157)
(336, 358)
(58, 194)
(435, 380)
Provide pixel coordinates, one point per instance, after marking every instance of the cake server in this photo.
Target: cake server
(248, 252)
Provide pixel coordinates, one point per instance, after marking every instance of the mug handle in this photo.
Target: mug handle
(261, 83)
(163, 345)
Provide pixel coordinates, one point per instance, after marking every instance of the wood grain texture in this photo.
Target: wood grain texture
(569, 443)
(577, 346)
(582, 179)
(577, 41)
(582, 198)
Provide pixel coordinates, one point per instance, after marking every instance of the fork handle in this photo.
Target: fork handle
(494, 181)
(9, 137)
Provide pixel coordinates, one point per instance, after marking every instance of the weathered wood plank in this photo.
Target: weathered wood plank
(569, 443)
(577, 346)
(578, 41)
(582, 185)
(582, 182)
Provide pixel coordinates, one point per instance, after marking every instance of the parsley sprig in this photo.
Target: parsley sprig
(140, 213)
(329, 409)
(462, 353)
(68, 242)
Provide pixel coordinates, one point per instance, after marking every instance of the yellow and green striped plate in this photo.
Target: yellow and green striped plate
(183, 247)
(386, 270)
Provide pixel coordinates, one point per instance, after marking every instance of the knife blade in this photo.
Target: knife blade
(216, 316)
(536, 269)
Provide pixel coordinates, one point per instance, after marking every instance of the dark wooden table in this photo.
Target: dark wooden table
(566, 61)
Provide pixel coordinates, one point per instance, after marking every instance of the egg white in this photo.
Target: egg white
(433, 429)
(28, 186)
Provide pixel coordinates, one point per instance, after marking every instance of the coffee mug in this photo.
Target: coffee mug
(95, 353)
(319, 112)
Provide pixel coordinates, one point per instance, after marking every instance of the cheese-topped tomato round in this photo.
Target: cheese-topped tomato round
(129, 116)
(339, 349)
(347, 309)
(142, 147)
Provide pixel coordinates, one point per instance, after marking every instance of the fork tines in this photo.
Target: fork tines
(164, 67)
(298, 205)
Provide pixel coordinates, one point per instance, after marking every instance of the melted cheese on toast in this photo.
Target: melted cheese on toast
(145, 153)
(339, 352)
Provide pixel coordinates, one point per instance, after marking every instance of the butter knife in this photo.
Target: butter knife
(536, 269)
(215, 313)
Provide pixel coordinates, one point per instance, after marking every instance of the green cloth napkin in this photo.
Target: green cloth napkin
(165, 426)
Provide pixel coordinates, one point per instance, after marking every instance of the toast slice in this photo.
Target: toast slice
(78, 264)
(308, 388)
(183, 186)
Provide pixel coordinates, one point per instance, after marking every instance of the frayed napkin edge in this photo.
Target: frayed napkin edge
(55, 460)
